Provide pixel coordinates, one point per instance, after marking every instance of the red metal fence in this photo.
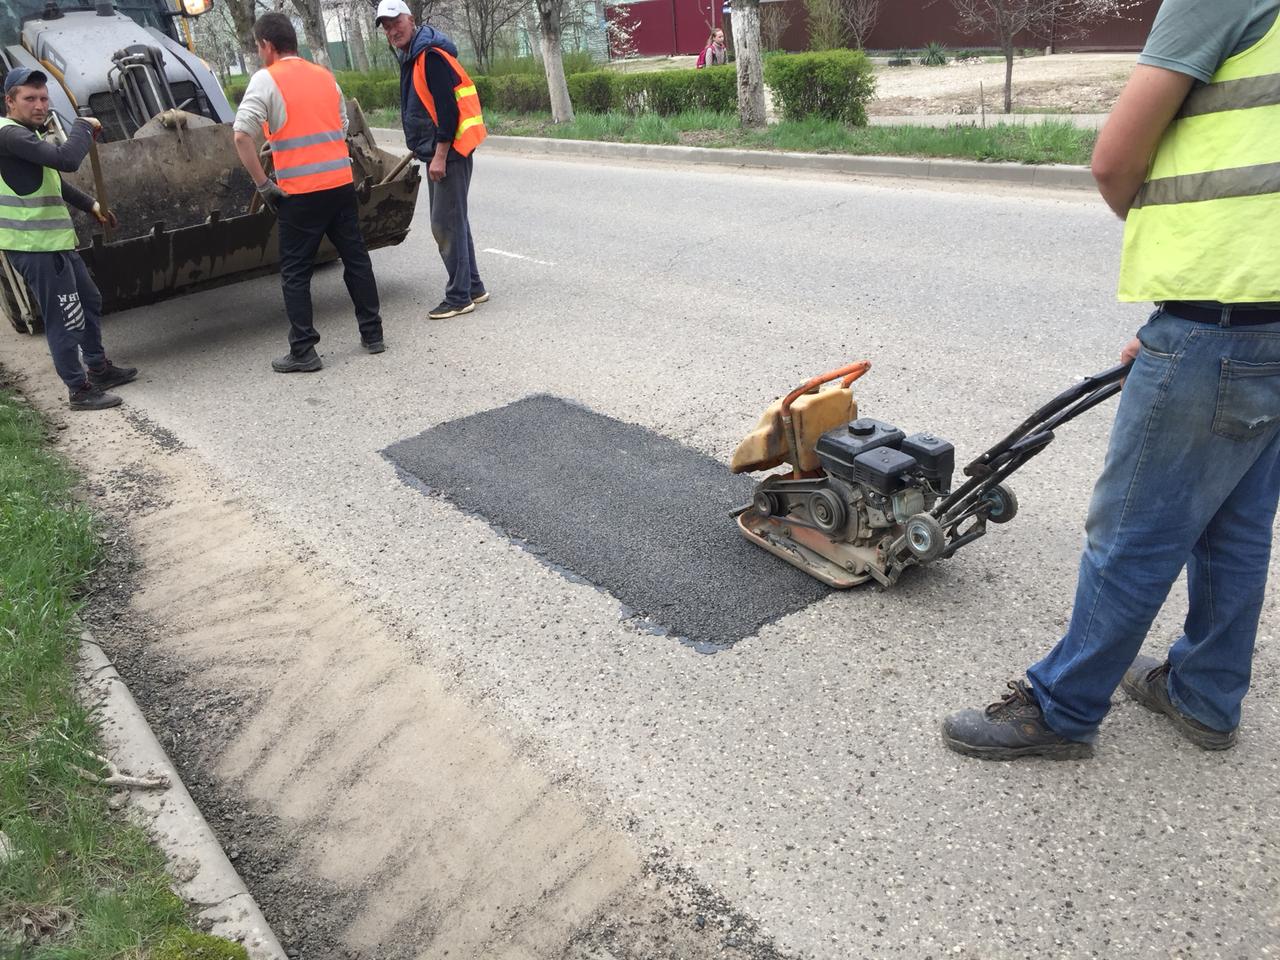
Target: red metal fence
(672, 27)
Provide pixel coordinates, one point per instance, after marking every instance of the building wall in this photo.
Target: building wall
(671, 27)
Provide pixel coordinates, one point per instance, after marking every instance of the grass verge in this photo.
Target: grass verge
(77, 880)
(1048, 142)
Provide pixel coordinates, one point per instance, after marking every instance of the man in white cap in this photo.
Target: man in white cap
(440, 113)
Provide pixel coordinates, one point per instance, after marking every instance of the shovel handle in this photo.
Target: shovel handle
(100, 185)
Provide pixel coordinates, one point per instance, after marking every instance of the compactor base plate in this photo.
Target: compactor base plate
(805, 548)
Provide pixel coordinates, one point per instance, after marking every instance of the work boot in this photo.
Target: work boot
(447, 310)
(1147, 681)
(373, 346)
(90, 397)
(309, 362)
(1012, 727)
(109, 375)
(480, 296)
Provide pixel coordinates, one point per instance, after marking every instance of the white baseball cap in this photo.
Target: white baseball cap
(391, 9)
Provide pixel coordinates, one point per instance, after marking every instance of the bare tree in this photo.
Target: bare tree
(1006, 19)
(775, 18)
(311, 14)
(354, 13)
(483, 20)
(243, 14)
(549, 14)
(749, 61)
(860, 18)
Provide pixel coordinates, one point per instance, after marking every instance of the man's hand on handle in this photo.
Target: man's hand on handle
(271, 195)
(105, 217)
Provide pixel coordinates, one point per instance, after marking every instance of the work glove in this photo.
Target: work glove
(271, 195)
(107, 218)
(95, 126)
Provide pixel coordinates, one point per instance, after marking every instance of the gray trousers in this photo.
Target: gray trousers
(71, 308)
(452, 230)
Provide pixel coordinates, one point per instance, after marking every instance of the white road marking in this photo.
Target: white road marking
(517, 256)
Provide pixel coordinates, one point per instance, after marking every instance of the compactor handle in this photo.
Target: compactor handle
(850, 372)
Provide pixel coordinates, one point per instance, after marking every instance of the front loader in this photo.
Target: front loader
(167, 166)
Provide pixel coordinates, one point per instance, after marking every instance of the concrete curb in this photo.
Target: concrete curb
(203, 875)
(1034, 175)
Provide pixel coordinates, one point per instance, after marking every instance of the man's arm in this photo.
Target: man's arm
(22, 142)
(1122, 157)
(77, 197)
(440, 81)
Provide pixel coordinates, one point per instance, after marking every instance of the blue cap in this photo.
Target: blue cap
(22, 77)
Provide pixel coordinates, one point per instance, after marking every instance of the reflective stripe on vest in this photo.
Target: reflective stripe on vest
(471, 130)
(38, 222)
(1206, 224)
(310, 150)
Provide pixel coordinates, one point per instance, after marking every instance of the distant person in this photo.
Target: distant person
(714, 53)
(1192, 474)
(440, 113)
(37, 236)
(313, 194)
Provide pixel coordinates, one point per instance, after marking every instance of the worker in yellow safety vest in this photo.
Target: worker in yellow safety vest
(39, 239)
(1190, 158)
(443, 125)
(302, 111)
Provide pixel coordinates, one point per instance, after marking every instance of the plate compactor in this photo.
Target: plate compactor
(865, 501)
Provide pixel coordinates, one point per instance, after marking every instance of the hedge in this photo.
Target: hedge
(833, 85)
(663, 92)
(373, 90)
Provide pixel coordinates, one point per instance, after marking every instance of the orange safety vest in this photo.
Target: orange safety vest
(471, 132)
(310, 150)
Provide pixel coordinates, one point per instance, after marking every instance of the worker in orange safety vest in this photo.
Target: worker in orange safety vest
(443, 125)
(300, 107)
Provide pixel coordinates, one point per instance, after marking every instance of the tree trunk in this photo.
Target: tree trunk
(553, 60)
(242, 17)
(1008, 76)
(355, 39)
(312, 18)
(746, 44)
(530, 31)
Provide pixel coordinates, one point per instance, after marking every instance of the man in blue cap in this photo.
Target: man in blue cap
(37, 236)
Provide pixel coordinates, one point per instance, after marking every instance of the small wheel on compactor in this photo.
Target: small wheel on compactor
(1004, 505)
(925, 538)
(767, 504)
(827, 511)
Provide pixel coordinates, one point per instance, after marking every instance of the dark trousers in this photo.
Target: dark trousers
(71, 308)
(305, 220)
(452, 230)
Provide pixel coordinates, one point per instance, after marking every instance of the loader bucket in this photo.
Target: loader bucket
(187, 222)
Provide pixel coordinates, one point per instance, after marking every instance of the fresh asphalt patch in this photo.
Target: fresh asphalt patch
(624, 508)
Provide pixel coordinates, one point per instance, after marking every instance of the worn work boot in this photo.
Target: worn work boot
(373, 346)
(109, 375)
(447, 310)
(1011, 728)
(309, 362)
(90, 397)
(1147, 682)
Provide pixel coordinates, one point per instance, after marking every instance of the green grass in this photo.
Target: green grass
(1049, 142)
(80, 882)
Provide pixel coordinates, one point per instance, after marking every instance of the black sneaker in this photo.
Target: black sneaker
(447, 310)
(480, 296)
(112, 376)
(90, 397)
(373, 346)
(1147, 682)
(307, 363)
(1011, 728)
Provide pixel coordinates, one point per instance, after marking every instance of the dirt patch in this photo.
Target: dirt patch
(1069, 83)
(373, 811)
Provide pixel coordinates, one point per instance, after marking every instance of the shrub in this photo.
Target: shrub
(518, 93)
(834, 85)
(575, 61)
(901, 58)
(592, 92)
(373, 90)
(484, 90)
(675, 91)
(234, 88)
(935, 55)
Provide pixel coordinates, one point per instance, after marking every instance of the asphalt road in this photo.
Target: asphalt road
(799, 772)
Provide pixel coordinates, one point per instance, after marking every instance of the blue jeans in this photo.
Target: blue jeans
(1191, 479)
(71, 308)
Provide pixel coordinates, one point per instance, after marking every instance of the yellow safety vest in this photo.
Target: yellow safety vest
(36, 222)
(1206, 224)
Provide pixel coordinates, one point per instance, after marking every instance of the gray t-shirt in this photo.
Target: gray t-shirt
(1195, 36)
